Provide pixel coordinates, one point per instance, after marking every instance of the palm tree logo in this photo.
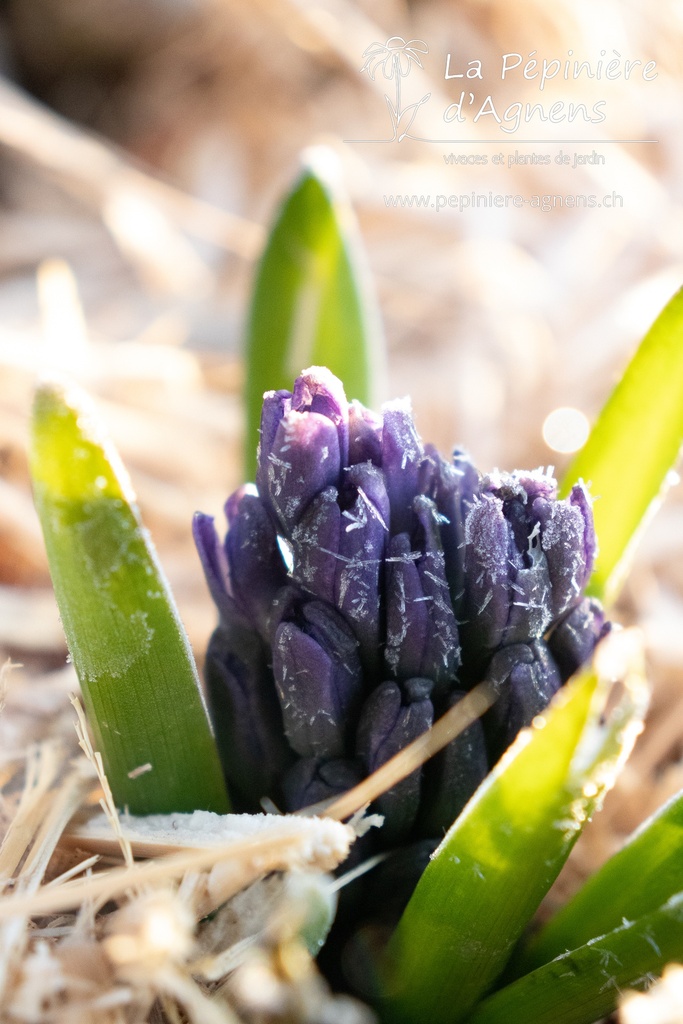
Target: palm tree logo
(396, 58)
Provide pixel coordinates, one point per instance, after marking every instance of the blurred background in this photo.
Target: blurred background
(144, 147)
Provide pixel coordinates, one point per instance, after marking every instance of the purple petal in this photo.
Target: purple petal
(246, 715)
(257, 571)
(402, 454)
(453, 488)
(530, 607)
(489, 551)
(407, 614)
(338, 549)
(311, 780)
(318, 680)
(315, 546)
(581, 499)
(276, 404)
(302, 461)
(215, 565)
(573, 641)
(362, 543)
(387, 725)
(441, 656)
(318, 390)
(568, 540)
(365, 435)
(528, 678)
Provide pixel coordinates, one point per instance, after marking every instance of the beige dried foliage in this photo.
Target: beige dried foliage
(116, 939)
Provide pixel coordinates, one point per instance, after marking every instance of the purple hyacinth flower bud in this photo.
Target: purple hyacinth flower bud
(303, 460)
(318, 678)
(365, 435)
(318, 390)
(569, 544)
(391, 719)
(315, 546)
(338, 549)
(407, 615)
(422, 635)
(441, 657)
(453, 487)
(362, 543)
(452, 776)
(304, 444)
(215, 565)
(246, 571)
(527, 677)
(256, 569)
(354, 561)
(491, 564)
(573, 641)
(402, 457)
(276, 405)
(246, 715)
(311, 780)
(527, 556)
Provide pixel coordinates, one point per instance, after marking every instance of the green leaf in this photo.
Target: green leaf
(646, 872)
(633, 447)
(128, 645)
(502, 854)
(311, 303)
(584, 985)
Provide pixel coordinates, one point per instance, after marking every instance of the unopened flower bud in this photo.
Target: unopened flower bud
(453, 487)
(527, 678)
(365, 435)
(527, 557)
(318, 678)
(392, 717)
(302, 460)
(311, 780)
(402, 456)
(573, 641)
(318, 390)
(244, 705)
(246, 572)
(338, 550)
(422, 636)
(569, 545)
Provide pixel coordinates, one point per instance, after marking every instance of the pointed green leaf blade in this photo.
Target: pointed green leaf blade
(128, 645)
(311, 303)
(502, 854)
(584, 985)
(633, 447)
(642, 876)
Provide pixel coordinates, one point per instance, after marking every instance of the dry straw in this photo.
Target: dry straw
(108, 937)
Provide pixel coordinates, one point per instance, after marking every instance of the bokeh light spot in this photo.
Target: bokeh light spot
(566, 429)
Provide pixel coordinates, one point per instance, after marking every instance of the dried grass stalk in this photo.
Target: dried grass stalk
(117, 940)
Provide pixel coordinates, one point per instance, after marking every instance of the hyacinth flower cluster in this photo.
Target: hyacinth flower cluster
(365, 584)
